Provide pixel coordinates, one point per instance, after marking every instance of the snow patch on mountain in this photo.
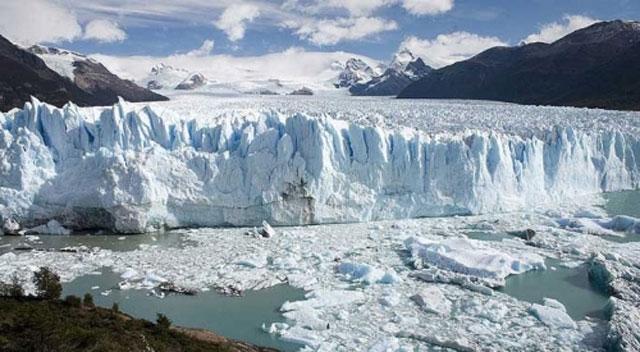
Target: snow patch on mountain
(59, 60)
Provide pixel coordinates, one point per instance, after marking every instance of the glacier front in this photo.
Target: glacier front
(132, 168)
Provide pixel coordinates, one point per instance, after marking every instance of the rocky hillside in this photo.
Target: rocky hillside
(593, 67)
(58, 76)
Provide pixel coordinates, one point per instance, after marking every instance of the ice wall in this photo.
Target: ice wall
(128, 169)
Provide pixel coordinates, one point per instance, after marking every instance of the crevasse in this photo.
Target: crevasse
(128, 169)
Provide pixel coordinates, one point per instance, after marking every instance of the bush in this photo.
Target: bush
(115, 308)
(88, 301)
(162, 322)
(73, 301)
(15, 289)
(47, 284)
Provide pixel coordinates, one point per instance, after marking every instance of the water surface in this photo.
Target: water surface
(239, 318)
(570, 286)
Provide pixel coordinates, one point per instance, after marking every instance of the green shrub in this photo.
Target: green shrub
(163, 323)
(115, 308)
(47, 284)
(73, 301)
(88, 301)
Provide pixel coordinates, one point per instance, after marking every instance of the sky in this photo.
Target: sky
(440, 31)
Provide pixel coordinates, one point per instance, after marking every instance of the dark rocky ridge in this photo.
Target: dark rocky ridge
(23, 74)
(597, 66)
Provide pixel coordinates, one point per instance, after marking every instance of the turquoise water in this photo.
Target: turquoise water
(570, 286)
(103, 240)
(623, 203)
(239, 318)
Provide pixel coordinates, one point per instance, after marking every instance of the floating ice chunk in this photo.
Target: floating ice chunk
(471, 257)
(387, 344)
(550, 302)
(432, 300)
(301, 336)
(552, 316)
(275, 328)
(130, 274)
(390, 299)
(365, 273)
(10, 227)
(325, 298)
(258, 261)
(266, 230)
(624, 223)
(306, 317)
(52, 227)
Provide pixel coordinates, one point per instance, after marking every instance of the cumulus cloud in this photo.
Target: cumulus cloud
(427, 7)
(333, 31)
(34, 21)
(551, 32)
(234, 19)
(104, 31)
(446, 49)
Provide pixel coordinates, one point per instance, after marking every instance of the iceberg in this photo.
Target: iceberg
(131, 168)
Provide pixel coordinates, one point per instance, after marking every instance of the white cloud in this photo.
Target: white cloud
(333, 31)
(446, 49)
(367, 7)
(104, 31)
(35, 21)
(293, 67)
(358, 7)
(205, 49)
(427, 7)
(551, 32)
(234, 19)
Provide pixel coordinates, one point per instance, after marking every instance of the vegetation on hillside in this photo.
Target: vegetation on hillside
(47, 323)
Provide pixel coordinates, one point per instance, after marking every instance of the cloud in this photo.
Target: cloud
(35, 21)
(104, 31)
(333, 31)
(427, 7)
(205, 49)
(446, 49)
(234, 19)
(551, 32)
(358, 7)
(367, 7)
(293, 67)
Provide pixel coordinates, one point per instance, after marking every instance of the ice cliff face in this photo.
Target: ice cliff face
(130, 170)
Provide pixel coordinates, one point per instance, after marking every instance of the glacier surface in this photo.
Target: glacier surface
(132, 168)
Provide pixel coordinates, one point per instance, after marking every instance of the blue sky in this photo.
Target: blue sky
(375, 28)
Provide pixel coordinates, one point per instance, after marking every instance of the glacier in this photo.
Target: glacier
(132, 168)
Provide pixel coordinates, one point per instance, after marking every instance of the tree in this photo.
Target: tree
(47, 284)
(15, 289)
(162, 322)
(88, 301)
(73, 301)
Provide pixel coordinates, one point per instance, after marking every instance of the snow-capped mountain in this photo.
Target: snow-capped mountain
(164, 76)
(59, 76)
(353, 72)
(193, 81)
(404, 69)
(91, 76)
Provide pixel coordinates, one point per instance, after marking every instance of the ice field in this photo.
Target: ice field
(402, 221)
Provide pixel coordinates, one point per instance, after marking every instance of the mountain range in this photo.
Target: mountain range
(59, 76)
(363, 80)
(597, 67)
